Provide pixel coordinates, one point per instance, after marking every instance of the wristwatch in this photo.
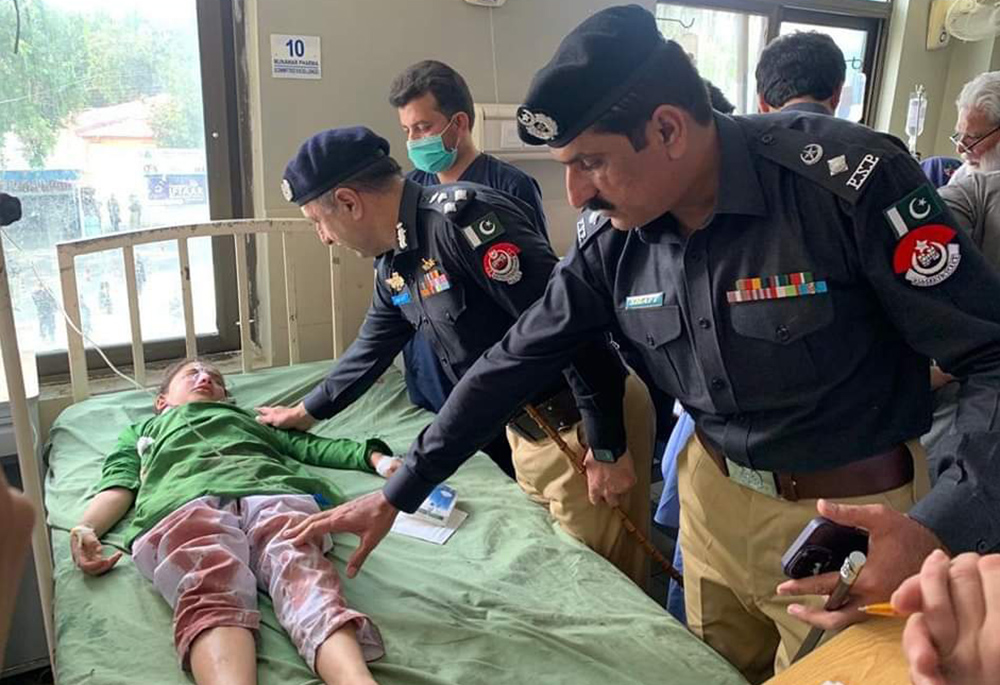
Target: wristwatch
(605, 456)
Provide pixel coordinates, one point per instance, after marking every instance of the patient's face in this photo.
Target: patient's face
(195, 382)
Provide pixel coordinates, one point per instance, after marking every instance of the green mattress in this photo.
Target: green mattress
(509, 599)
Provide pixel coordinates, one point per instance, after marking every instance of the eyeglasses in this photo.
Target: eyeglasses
(959, 140)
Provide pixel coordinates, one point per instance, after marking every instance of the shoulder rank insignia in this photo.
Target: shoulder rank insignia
(847, 167)
(483, 230)
(449, 200)
(811, 154)
(587, 225)
(862, 171)
(837, 165)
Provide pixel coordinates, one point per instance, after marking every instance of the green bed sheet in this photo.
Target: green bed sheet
(509, 599)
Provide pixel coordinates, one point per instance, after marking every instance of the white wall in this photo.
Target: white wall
(943, 73)
(365, 43)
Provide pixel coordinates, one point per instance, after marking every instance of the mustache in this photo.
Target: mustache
(596, 204)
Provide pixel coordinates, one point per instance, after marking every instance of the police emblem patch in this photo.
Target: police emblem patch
(286, 190)
(501, 263)
(811, 154)
(927, 256)
(540, 125)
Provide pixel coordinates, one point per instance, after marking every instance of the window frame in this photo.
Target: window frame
(225, 103)
(874, 46)
(868, 15)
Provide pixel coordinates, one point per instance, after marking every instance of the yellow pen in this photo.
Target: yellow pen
(880, 609)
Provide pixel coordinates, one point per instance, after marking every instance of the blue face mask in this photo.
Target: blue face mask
(429, 153)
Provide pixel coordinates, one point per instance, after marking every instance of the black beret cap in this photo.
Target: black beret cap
(328, 159)
(592, 70)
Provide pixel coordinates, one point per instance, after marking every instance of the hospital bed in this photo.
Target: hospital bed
(508, 599)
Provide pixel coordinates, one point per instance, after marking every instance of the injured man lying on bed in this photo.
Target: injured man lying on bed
(213, 491)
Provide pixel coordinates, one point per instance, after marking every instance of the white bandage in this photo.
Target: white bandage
(385, 464)
(76, 532)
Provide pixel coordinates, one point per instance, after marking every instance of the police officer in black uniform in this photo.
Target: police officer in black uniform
(436, 111)
(459, 262)
(787, 277)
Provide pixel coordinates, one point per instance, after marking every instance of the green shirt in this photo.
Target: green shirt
(167, 464)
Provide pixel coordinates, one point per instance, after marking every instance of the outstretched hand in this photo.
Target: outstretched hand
(369, 517)
(87, 552)
(289, 418)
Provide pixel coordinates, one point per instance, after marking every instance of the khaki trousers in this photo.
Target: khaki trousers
(546, 475)
(733, 539)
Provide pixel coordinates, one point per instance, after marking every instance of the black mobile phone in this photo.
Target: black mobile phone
(821, 547)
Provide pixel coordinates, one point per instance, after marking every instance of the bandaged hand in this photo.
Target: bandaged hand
(87, 551)
(385, 465)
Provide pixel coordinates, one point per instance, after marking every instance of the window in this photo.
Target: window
(102, 129)
(723, 45)
(725, 37)
(858, 38)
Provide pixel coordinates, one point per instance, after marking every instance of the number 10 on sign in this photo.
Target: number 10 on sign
(295, 57)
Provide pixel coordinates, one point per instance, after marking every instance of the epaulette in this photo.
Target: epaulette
(476, 219)
(841, 160)
(588, 225)
(450, 200)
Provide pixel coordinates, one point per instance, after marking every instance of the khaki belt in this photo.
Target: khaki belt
(886, 471)
(559, 411)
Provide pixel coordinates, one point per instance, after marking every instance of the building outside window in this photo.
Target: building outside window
(102, 130)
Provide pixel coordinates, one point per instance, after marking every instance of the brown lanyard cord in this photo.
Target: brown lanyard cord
(577, 461)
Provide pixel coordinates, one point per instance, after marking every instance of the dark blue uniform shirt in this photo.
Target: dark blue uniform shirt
(469, 264)
(796, 326)
(426, 382)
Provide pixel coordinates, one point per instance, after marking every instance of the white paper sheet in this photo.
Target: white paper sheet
(415, 528)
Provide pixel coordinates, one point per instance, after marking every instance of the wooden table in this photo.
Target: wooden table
(866, 654)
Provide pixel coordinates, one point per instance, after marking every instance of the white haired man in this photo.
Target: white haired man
(977, 130)
(973, 196)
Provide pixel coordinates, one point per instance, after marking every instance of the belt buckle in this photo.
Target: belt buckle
(758, 481)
